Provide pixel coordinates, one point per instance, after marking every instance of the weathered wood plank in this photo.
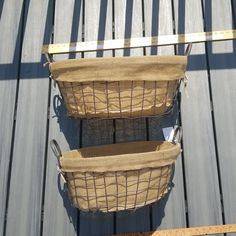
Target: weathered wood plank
(63, 219)
(128, 24)
(201, 177)
(9, 57)
(97, 26)
(25, 194)
(223, 87)
(170, 211)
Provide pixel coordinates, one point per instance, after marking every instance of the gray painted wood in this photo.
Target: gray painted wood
(97, 26)
(234, 11)
(170, 211)
(9, 57)
(97, 132)
(128, 23)
(25, 194)
(63, 219)
(128, 130)
(24, 213)
(223, 87)
(201, 177)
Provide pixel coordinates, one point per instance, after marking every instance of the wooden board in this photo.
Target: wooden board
(170, 211)
(201, 177)
(194, 231)
(25, 194)
(63, 219)
(152, 41)
(9, 67)
(128, 23)
(97, 26)
(223, 87)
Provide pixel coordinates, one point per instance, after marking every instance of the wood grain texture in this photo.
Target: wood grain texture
(97, 26)
(9, 66)
(128, 23)
(223, 87)
(201, 177)
(25, 194)
(63, 219)
(170, 211)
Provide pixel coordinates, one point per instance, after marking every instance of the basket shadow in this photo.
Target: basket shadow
(159, 206)
(73, 217)
(68, 126)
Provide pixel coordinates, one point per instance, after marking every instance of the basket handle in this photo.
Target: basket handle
(177, 135)
(56, 150)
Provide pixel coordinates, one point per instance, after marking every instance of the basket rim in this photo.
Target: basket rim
(121, 162)
(149, 68)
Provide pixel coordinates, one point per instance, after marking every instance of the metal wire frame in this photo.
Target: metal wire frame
(118, 99)
(118, 190)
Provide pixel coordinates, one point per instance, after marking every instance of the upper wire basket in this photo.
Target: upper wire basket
(125, 87)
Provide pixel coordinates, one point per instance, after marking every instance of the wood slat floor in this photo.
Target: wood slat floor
(33, 200)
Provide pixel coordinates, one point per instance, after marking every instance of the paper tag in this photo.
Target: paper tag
(168, 133)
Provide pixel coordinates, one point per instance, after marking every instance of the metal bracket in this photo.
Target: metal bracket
(188, 49)
(177, 135)
(49, 58)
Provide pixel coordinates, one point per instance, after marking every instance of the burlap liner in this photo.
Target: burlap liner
(149, 68)
(120, 157)
(118, 177)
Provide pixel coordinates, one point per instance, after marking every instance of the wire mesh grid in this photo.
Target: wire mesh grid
(118, 190)
(118, 99)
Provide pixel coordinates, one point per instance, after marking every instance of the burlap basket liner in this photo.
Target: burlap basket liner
(119, 87)
(119, 176)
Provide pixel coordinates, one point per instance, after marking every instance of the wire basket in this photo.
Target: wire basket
(125, 87)
(117, 177)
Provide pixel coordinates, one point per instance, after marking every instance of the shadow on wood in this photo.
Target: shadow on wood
(66, 202)
(63, 120)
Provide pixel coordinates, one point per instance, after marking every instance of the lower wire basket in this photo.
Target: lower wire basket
(118, 177)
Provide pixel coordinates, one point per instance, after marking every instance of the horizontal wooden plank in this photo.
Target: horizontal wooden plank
(204, 230)
(139, 42)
